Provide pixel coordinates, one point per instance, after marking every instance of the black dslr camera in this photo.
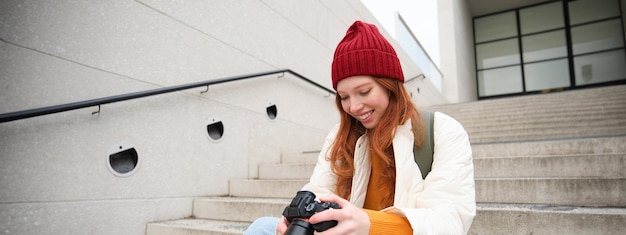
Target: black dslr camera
(302, 207)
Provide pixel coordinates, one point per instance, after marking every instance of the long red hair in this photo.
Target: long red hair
(400, 109)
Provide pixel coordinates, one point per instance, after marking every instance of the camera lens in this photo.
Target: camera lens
(299, 227)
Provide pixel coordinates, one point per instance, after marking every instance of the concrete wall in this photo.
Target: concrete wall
(54, 170)
(457, 51)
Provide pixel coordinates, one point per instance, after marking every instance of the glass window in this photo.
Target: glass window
(544, 46)
(550, 51)
(496, 54)
(541, 18)
(596, 37)
(600, 67)
(547, 75)
(582, 11)
(495, 27)
(500, 81)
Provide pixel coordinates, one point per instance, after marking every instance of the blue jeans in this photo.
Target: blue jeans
(262, 226)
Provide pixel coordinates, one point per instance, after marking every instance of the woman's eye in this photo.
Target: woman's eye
(344, 98)
(365, 92)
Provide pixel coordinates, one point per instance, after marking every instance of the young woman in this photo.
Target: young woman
(367, 164)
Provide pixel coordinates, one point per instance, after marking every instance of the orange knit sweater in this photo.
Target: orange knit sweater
(382, 222)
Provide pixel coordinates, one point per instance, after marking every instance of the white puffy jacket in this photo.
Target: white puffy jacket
(443, 203)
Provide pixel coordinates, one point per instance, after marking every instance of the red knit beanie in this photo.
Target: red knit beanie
(364, 51)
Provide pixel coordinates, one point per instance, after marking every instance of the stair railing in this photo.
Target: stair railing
(12, 116)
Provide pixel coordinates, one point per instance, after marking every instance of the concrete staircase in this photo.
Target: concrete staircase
(544, 164)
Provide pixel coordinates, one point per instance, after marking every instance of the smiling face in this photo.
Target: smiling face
(364, 99)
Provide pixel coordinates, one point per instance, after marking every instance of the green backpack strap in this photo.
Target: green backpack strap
(424, 155)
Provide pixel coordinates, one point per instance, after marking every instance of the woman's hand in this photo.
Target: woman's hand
(351, 219)
(282, 226)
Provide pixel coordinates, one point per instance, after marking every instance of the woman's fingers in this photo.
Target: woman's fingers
(281, 228)
(331, 213)
(336, 199)
(351, 219)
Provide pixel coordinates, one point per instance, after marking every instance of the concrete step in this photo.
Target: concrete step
(308, 157)
(562, 146)
(480, 137)
(286, 171)
(538, 219)
(579, 157)
(592, 112)
(552, 121)
(512, 110)
(510, 107)
(196, 227)
(603, 95)
(272, 188)
(531, 148)
(574, 165)
(238, 208)
(575, 191)
(605, 165)
(490, 219)
(220, 216)
(591, 192)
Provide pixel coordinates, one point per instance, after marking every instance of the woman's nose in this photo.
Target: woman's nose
(355, 105)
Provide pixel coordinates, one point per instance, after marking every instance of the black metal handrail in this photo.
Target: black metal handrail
(12, 116)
